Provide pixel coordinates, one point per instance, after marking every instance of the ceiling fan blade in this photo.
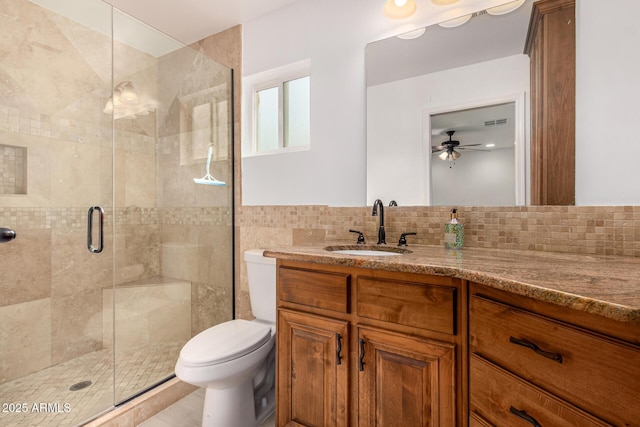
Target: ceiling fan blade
(472, 149)
(469, 145)
(435, 149)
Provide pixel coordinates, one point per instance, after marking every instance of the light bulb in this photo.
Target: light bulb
(399, 9)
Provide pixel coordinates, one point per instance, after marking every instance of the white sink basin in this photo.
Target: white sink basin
(368, 250)
(365, 252)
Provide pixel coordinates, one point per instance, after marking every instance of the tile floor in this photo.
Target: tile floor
(187, 412)
(43, 399)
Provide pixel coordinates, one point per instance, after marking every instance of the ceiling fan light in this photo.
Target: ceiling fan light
(395, 9)
(443, 155)
(455, 155)
(505, 8)
(456, 22)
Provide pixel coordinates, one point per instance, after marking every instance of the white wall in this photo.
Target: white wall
(607, 103)
(333, 35)
(398, 147)
(476, 179)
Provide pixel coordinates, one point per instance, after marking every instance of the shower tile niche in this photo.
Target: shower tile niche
(13, 169)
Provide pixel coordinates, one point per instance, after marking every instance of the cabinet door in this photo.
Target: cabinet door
(404, 381)
(312, 370)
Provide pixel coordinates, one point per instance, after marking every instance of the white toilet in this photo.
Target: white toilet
(235, 360)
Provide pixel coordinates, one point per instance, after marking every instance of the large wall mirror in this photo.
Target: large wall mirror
(448, 113)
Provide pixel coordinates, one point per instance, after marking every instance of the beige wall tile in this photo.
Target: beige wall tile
(26, 266)
(26, 338)
(76, 324)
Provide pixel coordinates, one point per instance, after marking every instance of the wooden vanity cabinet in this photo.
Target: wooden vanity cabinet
(363, 347)
(532, 362)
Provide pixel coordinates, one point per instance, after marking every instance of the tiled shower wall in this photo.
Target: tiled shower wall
(51, 288)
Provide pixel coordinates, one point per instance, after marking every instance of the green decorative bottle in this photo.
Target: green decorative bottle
(453, 232)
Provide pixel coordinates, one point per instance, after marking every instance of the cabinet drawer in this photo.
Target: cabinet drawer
(419, 305)
(599, 375)
(325, 290)
(503, 399)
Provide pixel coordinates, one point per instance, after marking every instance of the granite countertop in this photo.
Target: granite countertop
(607, 286)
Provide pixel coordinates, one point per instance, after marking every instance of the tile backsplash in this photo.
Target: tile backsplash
(594, 230)
(602, 230)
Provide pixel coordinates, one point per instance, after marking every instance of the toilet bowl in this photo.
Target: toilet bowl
(235, 360)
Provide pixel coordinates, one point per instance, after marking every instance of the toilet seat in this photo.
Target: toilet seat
(224, 342)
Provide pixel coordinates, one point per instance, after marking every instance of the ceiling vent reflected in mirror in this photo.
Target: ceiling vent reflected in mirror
(496, 122)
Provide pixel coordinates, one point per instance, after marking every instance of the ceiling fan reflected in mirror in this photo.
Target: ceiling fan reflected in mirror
(448, 148)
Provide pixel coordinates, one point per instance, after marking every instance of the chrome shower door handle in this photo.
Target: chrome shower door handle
(100, 247)
(6, 235)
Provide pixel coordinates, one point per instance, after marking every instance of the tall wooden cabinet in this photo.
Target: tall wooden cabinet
(367, 348)
(550, 45)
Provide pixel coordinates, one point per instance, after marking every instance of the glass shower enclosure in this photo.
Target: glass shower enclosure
(116, 181)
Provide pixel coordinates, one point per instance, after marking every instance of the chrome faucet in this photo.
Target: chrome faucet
(381, 234)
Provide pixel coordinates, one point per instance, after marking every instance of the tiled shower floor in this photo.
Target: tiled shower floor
(47, 400)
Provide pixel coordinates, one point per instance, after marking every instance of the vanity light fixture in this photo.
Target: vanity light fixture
(126, 93)
(400, 9)
(444, 2)
(125, 103)
(505, 8)
(412, 34)
(456, 22)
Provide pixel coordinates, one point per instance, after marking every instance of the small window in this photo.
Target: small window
(267, 119)
(282, 114)
(296, 111)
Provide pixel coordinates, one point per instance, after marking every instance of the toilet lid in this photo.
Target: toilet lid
(224, 342)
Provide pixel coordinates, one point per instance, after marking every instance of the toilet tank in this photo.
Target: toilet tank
(261, 275)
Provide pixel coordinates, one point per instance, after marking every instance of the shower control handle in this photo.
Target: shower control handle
(7, 235)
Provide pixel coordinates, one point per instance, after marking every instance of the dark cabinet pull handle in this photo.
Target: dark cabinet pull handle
(522, 414)
(524, 343)
(339, 349)
(361, 359)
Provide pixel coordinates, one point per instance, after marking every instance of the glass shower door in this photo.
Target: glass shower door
(173, 202)
(116, 177)
(56, 162)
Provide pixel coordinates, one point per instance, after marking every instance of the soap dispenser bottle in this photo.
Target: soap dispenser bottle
(453, 232)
